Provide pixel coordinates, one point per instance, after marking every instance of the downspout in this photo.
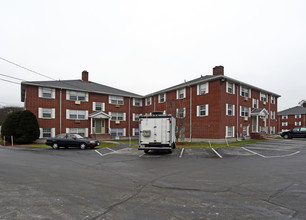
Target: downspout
(60, 111)
(269, 128)
(190, 125)
(129, 123)
(237, 111)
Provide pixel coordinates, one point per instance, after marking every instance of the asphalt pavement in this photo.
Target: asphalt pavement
(265, 180)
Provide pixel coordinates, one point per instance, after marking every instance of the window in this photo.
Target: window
(116, 100)
(202, 110)
(77, 96)
(272, 115)
(46, 113)
(202, 89)
(229, 131)
(118, 116)
(230, 110)
(263, 97)
(135, 131)
(47, 132)
(298, 116)
(245, 131)
(297, 123)
(255, 103)
(181, 112)
(244, 111)
(80, 131)
(262, 129)
(162, 98)
(245, 92)
(272, 130)
(230, 88)
(285, 117)
(148, 101)
(46, 93)
(77, 114)
(136, 117)
(137, 102)
(181, 93)
(272, 100)
(117, 132)
(98, 106)
(284, 124)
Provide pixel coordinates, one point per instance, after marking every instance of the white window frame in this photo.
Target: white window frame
(255, 103)
(41, 113)
(199, 110)
(229, 87)
(272, 130)
(273, 100)
(148, 101)
(272, 115)
(78, 95)
(284, 124)
(136, 116)
(263, 97)
(162, 98)
(68, 113)
(52, 132)
(180, 111)
(245, 111)
(116, 117)
(247, 130)
(41, 92)
(228, 109)
(284, 116)
(243, 92)
(298, 116)
(181, 93)
(116, 100)
(116, 129)
(298, 123)
(134, 132)
(203, 88)
(227, 131)
(137, 102)
(79, 131)
(94, 106)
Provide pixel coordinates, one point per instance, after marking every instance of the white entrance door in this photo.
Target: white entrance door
(100, 126)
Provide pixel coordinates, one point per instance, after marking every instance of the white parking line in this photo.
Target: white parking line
(99, 153)
(110, 149)
(182, 151)
(253, 152)
(216, 152)
(141, 155)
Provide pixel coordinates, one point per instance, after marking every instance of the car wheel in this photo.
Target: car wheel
(286, 136)
(169, 151)
(55, 146)
(146, 151)
(83, 146)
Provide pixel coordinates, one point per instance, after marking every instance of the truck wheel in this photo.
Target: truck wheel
(169, 151)
(146, 151)
(286, 136)
(173, 145)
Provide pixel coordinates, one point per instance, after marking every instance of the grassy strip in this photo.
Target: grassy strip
(214, 145)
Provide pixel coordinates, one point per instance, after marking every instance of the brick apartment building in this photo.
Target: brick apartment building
(292, 117)
(209, 107)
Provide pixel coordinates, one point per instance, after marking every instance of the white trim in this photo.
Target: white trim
(86, 114)
(94, 106)
(67, 114)
(53, 113)
(40, 132)
(198, 111)
(40, 113)
(67, 130)
(67, 95)
(124, 116)
(86, 132)
(124, 132)
(40, 95)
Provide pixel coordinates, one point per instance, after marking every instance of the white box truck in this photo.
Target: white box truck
(157, 132)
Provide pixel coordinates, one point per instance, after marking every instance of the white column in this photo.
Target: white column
(90, 125)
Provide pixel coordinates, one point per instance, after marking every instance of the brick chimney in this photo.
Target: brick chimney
(218, 70)
(85, 76)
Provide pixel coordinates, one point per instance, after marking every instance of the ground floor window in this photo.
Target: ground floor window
(262, 129)
(272, 130)
(117, 132)
(80, 131)
(229, 131)
(135, 131)
(47, 132)
(245, 131)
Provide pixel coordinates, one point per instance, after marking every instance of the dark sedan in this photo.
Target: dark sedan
(294, 133)
(71, 140)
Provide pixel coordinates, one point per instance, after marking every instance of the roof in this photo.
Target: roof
(259, 111)
(297, 110)
(78, 85)
(208, 78)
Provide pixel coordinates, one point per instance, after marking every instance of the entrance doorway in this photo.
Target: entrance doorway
(99, 125)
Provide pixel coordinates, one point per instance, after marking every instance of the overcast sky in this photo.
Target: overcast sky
(145, 46)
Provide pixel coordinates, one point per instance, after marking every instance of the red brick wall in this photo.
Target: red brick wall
(291, 122)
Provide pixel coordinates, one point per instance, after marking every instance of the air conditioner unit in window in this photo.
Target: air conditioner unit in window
(77, 102)
(246, 98)
(117, 122)
(117, 106)
(264, 103)
(246, 118)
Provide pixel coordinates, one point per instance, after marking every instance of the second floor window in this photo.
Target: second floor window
(162, 98)
(137, 102)
(202, 89)
(263, 97)
(245, 92)
(148, 101)
(181, 93)
(285, 117)
(298, 116)
(117, 116)
(181, 112)
(230, 109)
(77, 114)
(244, 111)
(230, 88)
(77, 96)
(116, 100)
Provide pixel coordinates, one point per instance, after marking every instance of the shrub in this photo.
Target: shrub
(22, 125)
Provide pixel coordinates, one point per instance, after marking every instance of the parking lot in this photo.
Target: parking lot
(265, 180)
